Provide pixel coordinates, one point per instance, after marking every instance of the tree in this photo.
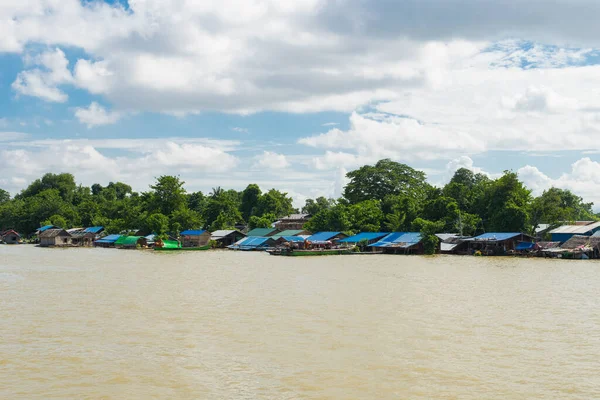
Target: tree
(428, 229)
(274, 202)
(366, 216)
(185, 219)
(157, 223)
(557, 206)
(335, 219)
(250, 198)
(56, 220)
(313, 207)
(261, 222)
(384, 179)
(400, 211)
(507, 204)
(63, 183)
(168, 195)
(4, 196)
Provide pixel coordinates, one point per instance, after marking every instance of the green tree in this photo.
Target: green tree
(366, 216)
(4, 196)
(157, 223)
(557, 206)
(185, 219)
(168, 195)
(428, 229)
(56, 220)
(507, 204)
(250, 199)
(261, 222)
(274, 202)
(313, 207)
(376, 182)
(63, 183)
(335, 219)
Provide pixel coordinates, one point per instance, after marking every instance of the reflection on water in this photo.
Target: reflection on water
(110, 324)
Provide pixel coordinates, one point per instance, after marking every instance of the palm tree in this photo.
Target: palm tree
(216, 192)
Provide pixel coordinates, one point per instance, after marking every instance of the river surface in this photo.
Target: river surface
(118, 324)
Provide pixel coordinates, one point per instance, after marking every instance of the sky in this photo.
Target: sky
(293, 94)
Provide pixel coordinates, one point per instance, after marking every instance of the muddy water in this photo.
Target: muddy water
(110, 324)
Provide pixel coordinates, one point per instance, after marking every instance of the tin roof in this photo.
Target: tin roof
(262, 232)
(577, 229)
(289, 232)
(50, 233)
(364, 236)
(496, 236)
(292, 238)
(322, 236)
(399, 239)
(251, 242)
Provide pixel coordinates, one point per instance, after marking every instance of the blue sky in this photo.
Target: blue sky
(293, 95)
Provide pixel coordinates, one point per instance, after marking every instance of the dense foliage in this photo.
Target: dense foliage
(387, 196)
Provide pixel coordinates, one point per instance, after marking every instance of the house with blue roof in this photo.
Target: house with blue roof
(195, 238)
(253, 243)
(368, 237)
(326, 237)
(400, 243)
(566, 232)
(498, 243)
(107, 241)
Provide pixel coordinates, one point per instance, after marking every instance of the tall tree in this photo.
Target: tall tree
(250, 198)
(168, 194)
(387, 177)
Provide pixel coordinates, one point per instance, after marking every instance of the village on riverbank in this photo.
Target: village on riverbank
(580, 240)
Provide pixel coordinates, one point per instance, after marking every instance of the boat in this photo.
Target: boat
(173, 245)
(308, 253)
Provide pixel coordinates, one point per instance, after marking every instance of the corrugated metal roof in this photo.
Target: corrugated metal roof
(364, 236)
(50, 233)
(293, 238)
(192, 232)
(262, 232)
(94, 229)
(289, 232)
(295, 217)
(495, 236)
(109, 239)
(323, 236)
(577, 229)
(221, 233)
(541, 228)
(448, 246)
(251, 242)
(446, 236)
(399, 239)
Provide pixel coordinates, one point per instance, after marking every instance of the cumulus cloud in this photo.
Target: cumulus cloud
(269, 159)
(96, 115)
(43, 81)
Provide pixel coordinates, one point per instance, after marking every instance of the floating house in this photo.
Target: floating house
(365, 237)
(453, 243)
(54, 238)
(45, 228)
(131, 242)
(497, 243)
(325, 238)
(292, 232)
(565, 232)
(82, 238)
(225, 238)
(400, 243)
(107, 241)
(10, 237)
(253, 243)
(263, 232)
(292, 222)
(96, 230)
(194, 238)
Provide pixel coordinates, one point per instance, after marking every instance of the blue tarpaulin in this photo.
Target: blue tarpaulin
(525, 246)
(495, 236)
(399, 240)
(94, 229)
(109, 239)
(322, 236)
(45, 228)
(252, 243)
(293, 238)
(364, 236)
(192, 232)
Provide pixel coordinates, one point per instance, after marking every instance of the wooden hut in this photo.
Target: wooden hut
(55, 238)
(497, 243)
(194, 238)
(225, 238)
(10, 237)
(82, 238)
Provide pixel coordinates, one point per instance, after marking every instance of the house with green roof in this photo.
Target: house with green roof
(262, 232)
(292, 232)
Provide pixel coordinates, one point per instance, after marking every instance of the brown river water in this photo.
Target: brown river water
(117, 324)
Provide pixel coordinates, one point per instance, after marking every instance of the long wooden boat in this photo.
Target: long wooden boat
(203, 248)
(308, 253)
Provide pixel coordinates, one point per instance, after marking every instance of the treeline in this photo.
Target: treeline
(387, 196)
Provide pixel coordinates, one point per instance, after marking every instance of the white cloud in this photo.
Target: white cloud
(269, 159)
(239, 130)
(43, 82)
(330, 124)
(96, 115)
